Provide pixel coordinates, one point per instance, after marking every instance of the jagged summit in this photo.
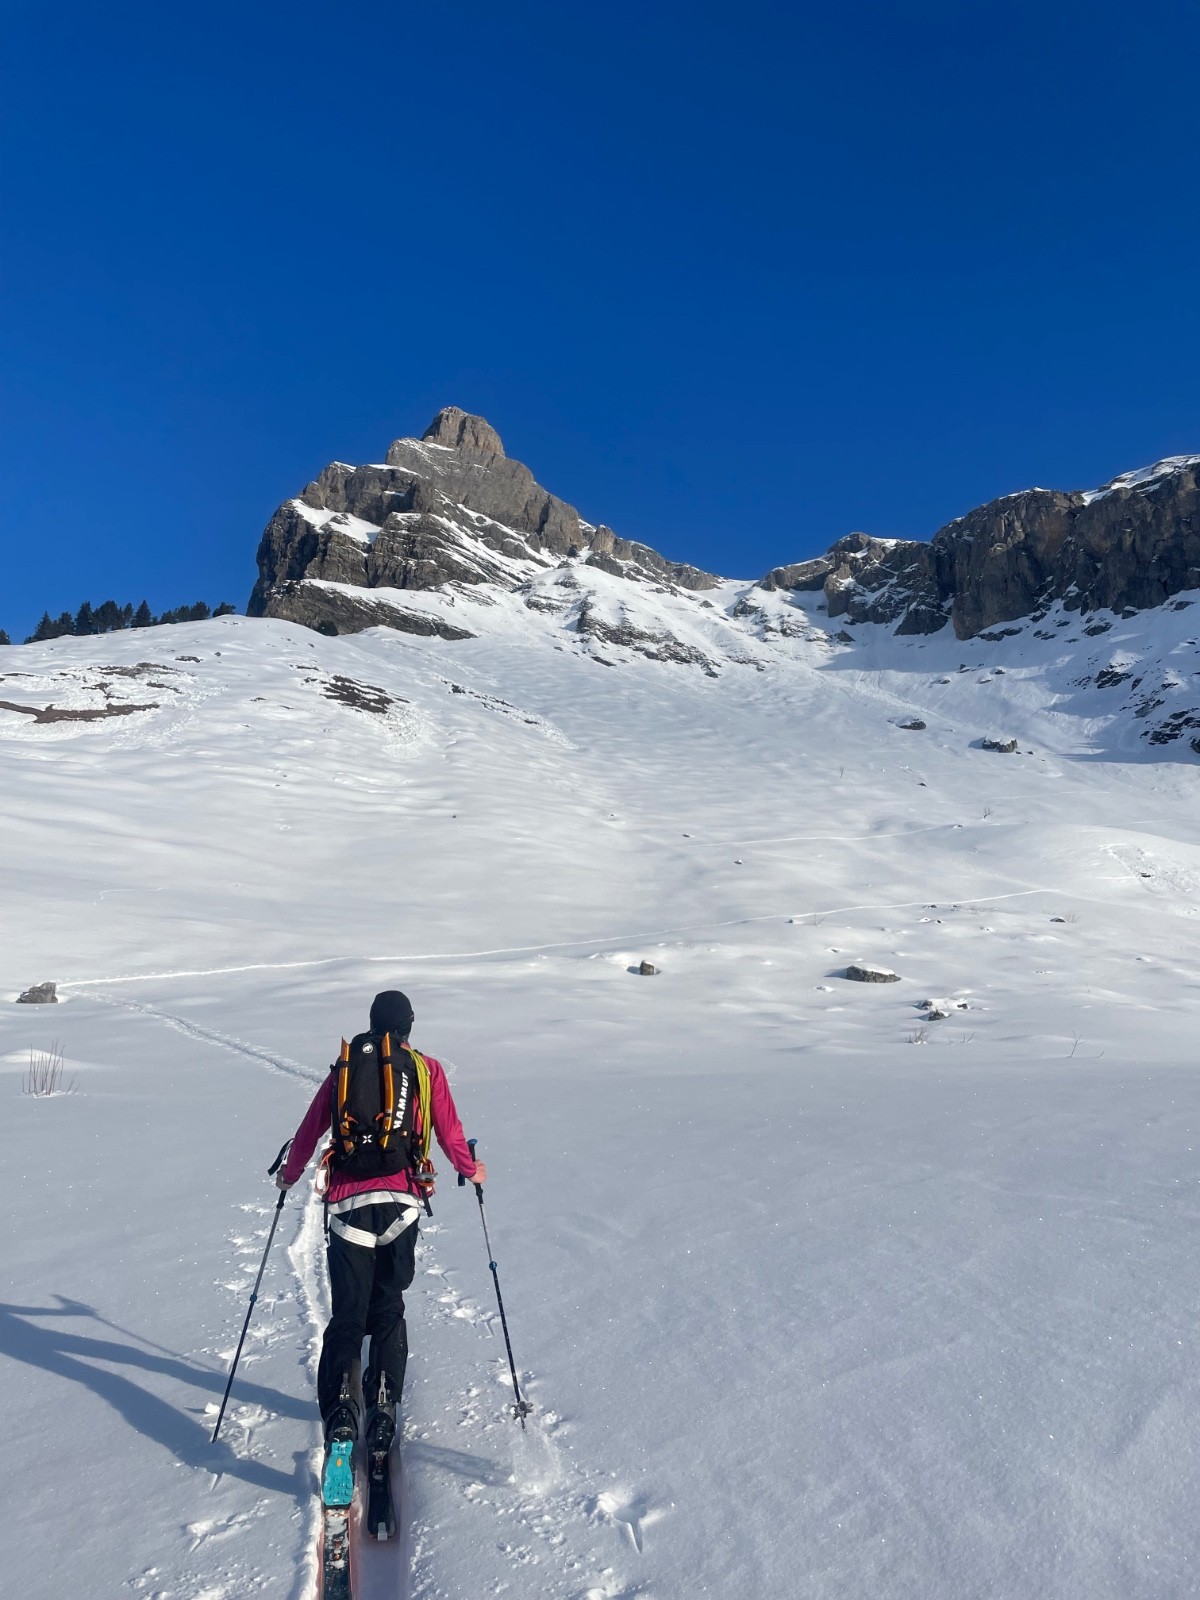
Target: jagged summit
(459, 430)
(448, 513)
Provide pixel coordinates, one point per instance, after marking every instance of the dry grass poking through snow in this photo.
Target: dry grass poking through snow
(45, 1074)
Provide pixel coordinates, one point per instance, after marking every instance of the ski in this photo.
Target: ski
(380, 1433)
(337, 1492)
(335, 1554)
(381, 1511)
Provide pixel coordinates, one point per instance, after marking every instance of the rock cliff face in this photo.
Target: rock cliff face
(1129, 545)
(451, 514)
(445, 511)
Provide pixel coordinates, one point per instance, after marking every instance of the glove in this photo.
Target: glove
(281, 1182)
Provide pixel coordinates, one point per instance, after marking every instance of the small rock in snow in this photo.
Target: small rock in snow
(41, 994)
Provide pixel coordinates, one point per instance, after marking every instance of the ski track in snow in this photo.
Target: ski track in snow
(545, 1507)
(601, 943)
(266, 1058)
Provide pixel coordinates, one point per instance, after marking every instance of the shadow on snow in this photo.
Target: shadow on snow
(70, 1355)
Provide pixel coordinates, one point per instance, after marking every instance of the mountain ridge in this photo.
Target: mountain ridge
(452, 514)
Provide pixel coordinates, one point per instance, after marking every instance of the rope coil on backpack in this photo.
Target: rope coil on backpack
(422, 1168)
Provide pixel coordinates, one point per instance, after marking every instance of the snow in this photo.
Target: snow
(343, 521)
(1143, 477)
(803, 1308)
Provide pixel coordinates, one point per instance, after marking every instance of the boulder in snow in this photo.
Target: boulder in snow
(858, 973)
(41, 994)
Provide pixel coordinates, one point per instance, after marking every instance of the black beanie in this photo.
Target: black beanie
(392, 1012)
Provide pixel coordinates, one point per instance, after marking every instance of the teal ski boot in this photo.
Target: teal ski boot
(341, 1430)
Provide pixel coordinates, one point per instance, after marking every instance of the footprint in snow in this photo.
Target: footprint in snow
(634, 1515)
(216, 1529)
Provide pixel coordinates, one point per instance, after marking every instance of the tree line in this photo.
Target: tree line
(109, 617)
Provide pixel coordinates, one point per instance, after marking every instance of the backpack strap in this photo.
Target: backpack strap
(343, 1123)
(387, 1092)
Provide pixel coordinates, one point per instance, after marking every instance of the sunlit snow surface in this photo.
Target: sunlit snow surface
(814, 1296)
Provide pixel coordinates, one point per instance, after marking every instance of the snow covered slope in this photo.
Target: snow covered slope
(815, 1292)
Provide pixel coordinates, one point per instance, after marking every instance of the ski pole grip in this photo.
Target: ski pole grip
(279, 1159)
(462, 1182)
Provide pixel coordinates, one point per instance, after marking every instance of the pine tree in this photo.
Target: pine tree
(48, 628)
(108, 617)
(4, 639)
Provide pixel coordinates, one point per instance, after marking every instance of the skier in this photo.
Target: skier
(374, 1197)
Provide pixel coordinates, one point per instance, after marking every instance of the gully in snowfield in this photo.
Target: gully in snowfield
(380, 1104)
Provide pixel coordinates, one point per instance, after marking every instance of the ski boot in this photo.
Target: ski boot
(341, 1430)
(381, 1412)
(380, 1432)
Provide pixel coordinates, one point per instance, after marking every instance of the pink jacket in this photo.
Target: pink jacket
(318, 1117)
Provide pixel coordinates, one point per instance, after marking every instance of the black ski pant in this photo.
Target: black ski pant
(367, 1285)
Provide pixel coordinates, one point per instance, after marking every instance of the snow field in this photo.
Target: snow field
(808, 1303)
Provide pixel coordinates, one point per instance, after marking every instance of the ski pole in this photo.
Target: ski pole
(522, 1408)
(271, 1171)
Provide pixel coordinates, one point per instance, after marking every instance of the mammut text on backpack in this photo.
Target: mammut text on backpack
(380, 1118)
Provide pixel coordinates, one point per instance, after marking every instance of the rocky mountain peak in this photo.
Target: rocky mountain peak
(448, 514)
(455, 429)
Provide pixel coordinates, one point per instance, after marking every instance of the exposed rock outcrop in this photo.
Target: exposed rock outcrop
(1129, 545)
(470, 436)
(336, 611)
(41, 994)
(449, 509)
(660, 646)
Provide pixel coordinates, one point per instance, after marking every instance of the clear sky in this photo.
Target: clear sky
(736, 279)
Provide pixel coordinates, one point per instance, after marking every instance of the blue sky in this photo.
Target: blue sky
(734, 279)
